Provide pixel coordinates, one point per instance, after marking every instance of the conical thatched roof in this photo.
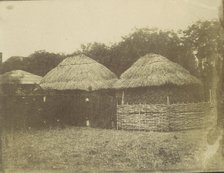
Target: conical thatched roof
(19, 77)
(155, 70)
(78, 73)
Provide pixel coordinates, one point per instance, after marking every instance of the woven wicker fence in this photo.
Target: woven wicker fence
(162, 117)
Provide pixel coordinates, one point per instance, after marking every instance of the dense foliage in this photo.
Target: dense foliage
(122, 55)
(39, 63)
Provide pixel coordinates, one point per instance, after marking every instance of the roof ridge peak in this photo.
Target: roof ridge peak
(77, 64)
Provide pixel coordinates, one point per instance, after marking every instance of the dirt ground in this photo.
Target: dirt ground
(87, 149)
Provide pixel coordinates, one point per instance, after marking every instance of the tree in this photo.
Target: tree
(122, 55)
(98, 51)
(206, 40)
(39, 63)
(14, 63)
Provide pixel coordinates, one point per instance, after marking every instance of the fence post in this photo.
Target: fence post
(168, 100)
(139, 120)
(210, 95)
(117, 116)
(122, 98)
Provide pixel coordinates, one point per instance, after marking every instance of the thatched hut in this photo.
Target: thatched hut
(19, 102)
(155, 79)
(157, 94)
(80, 92)
(18, 82)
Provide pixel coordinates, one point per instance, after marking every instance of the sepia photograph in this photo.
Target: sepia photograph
(111, 86)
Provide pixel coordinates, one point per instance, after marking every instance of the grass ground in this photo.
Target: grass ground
(87, 149)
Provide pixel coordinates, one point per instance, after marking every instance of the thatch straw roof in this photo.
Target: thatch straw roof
(78, 73)
(155, 70)
(19, 77)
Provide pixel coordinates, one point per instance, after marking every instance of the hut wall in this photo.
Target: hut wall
(158, 95)
(72, 108)
(21, 106)
(59, 110)
(21, 112)
(162, 117)
(102, 109)
(18, 89)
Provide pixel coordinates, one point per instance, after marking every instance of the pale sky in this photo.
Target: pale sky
(62, 26)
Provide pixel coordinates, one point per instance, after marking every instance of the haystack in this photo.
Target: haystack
(153, 77)
(78, 73)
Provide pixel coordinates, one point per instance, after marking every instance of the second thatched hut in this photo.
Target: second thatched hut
(157, 94)
(153, 79)
(79, 93)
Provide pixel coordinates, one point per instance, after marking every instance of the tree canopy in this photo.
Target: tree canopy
(39, 63)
